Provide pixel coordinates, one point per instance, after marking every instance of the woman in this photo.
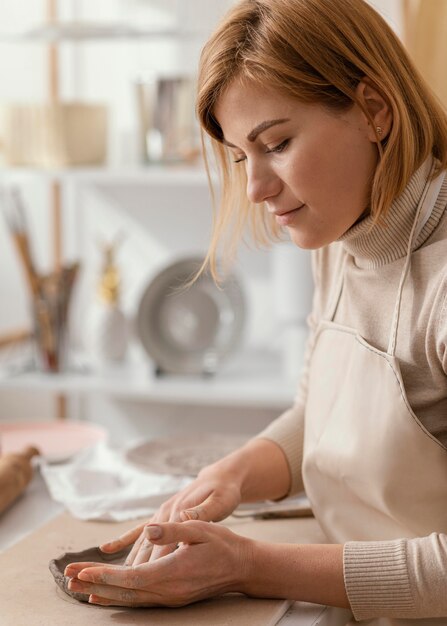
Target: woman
(337, 140)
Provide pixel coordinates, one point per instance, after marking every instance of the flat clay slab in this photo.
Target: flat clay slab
(57, 566)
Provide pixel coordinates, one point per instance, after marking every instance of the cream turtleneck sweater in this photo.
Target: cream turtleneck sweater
(413, 569)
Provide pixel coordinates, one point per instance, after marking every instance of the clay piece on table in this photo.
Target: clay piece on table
(57, 566)
(183, 456)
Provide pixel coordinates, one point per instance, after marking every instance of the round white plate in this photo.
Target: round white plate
(190, 330)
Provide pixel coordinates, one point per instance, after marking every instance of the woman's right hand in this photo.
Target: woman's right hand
(211, 497)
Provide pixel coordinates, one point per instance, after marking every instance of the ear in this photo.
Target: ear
(378, 108)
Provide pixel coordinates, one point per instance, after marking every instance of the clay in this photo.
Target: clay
(57, 566)
(183, 456)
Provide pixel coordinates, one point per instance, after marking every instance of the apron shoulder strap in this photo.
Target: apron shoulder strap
(425, 208)
(335, 295)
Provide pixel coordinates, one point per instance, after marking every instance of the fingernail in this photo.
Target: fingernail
(192, 514)
(154, 531)
(84, 576)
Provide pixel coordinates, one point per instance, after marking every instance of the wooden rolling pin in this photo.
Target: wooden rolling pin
(15, 473)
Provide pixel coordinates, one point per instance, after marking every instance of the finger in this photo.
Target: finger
(94, 599)
(138, 546)
(123, 541)
(118, 594)
(173, 533)
(134, 551)
(117, 576)
(212, 509)
(195, 513)
(73, 569)
(159, 551)
(144, 553)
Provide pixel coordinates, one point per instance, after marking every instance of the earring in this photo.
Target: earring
(379, 130)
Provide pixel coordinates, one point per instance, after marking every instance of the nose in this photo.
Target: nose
(262, 182)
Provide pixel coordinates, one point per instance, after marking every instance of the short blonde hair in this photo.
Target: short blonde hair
(316, 51)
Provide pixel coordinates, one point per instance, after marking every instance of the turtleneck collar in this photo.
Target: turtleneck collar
(373, 245)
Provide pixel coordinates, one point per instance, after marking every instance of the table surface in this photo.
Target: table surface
(35, 507)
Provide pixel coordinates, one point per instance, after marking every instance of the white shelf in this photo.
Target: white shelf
(252, 380)
(138, 175)
(61, 32)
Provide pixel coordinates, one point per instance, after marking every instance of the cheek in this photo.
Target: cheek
(335, 166)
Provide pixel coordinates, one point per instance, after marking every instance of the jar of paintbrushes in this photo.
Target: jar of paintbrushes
(50, 294)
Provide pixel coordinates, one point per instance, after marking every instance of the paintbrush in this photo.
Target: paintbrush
(16, 221)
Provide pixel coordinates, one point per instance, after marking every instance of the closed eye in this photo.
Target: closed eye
(277, 149)
(280, 147)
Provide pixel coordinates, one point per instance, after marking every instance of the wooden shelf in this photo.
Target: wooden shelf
(250, 380)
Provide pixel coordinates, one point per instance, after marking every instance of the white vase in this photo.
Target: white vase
(108, 334)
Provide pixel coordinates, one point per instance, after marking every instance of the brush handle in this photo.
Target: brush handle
(22, 245)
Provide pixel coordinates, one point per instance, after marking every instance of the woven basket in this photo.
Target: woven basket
(53, 135)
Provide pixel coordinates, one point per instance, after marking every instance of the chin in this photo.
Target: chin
(308, 241)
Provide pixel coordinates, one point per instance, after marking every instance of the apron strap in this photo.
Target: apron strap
(425, 208)
(336, 293)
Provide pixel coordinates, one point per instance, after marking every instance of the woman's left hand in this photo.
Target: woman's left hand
(210, 560)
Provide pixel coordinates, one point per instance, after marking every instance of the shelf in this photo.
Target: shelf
(251, 380)
(90, 31)
(138, 175)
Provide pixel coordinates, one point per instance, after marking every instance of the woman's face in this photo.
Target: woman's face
(312, 167)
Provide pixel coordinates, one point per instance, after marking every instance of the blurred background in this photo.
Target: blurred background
(104, 194)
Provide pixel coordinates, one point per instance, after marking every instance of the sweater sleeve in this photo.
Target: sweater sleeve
(402, 578)
(288, 429)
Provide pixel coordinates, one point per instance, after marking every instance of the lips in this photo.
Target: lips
(278, 214)
(284, 219)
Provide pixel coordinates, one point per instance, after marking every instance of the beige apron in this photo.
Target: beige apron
(371, 470)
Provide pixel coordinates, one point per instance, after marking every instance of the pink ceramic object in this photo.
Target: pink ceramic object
(57, 441)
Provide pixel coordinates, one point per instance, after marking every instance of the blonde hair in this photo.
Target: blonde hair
(316, 51)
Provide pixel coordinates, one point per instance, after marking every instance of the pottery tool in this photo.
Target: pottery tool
(271, 513)
(298, 506)
(50, 294)
(15, 474)
(17, 224)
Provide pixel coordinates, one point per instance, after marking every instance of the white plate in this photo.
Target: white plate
(56, 441)
(190, 330)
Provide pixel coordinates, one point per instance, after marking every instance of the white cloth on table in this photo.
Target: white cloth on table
(101, 484)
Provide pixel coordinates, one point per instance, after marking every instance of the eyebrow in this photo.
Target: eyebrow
(257, 130)
(260, 128)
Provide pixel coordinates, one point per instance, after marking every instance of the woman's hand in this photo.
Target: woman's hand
(257, 471)
(210, 560)
(212, 497)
